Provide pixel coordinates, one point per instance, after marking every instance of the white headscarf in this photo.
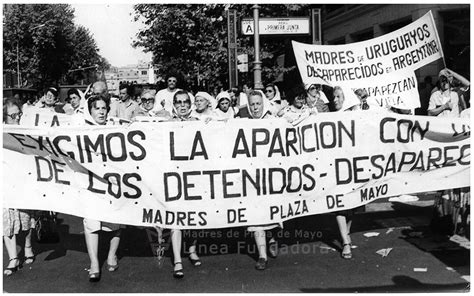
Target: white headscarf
(208, 97)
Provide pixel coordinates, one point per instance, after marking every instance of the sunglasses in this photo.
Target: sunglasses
(145, 100)
(314, 88)
(187, 102)
(268, 90)
(15, 115)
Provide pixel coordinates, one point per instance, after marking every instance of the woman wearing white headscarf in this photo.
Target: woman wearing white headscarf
(274, 98)
(95, 113)
(204, 106)
(224, 109)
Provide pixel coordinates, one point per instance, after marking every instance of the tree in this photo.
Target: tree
(48, 42)
(86, 59)
(192, 39)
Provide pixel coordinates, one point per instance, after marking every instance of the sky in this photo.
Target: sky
(113, 29)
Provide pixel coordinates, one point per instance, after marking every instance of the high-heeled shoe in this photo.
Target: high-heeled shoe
(261, 264)
(94, 277)
(195, 262)
(11, 270)
(113, 268)
(346, 255)
(178, 273)
(29, 259)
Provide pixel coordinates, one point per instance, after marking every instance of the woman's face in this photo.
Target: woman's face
(148, 101)
(299, 102)
(224, 105)
(269, 92)
(182, 104)
(311, 99)
(50, 99)
(13, 115)
(338, 99)
(75, 100)
(201, 104)
(99, 112)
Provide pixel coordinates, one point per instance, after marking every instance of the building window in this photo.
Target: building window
(144, 72)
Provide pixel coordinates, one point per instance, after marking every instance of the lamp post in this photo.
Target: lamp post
(257, 68)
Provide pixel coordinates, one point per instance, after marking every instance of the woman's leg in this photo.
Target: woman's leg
(29, 255)
(114, 244)
(193, 254)
(92, 243)
(261, 242)
(349, 224)
(176, 242)
(344, 228)
(10, 245)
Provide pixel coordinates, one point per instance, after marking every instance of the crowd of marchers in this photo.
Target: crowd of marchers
(96, 106)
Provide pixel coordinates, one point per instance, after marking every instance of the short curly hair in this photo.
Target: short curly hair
(91, 101)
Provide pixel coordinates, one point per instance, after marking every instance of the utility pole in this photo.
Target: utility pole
(18, 62)
(257, 68)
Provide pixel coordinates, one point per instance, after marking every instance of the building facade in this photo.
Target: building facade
(133, 74)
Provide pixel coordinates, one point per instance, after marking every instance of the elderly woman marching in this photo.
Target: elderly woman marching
(257, 108)
(16, 222)
(204, 106)
(96, 114)
(181, 112)
(224, 109)
(344, 218)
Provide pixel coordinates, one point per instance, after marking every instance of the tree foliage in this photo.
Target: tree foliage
(192, 38)
(48, 43)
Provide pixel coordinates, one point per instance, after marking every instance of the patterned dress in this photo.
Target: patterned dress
(15, 221)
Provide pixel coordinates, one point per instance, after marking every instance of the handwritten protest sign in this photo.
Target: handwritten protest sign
(384, 66)
(235, 173)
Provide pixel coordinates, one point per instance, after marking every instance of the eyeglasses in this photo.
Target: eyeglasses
(145, 100)
(15, 115)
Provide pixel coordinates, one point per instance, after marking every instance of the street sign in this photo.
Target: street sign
(277, 26)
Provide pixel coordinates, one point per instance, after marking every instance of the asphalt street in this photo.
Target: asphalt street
(309, 261)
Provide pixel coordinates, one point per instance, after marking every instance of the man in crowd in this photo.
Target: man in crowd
(444, 102)
(125, 108)
(164, 97)
(97, 88)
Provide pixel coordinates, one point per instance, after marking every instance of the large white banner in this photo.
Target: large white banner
(384, 66)
(235, 173)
